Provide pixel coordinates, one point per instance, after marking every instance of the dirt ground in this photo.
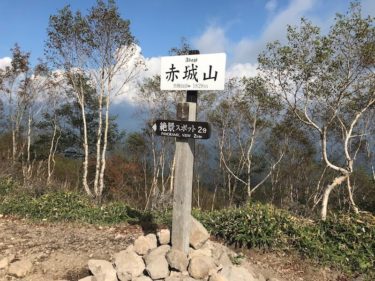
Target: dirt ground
(60, 251)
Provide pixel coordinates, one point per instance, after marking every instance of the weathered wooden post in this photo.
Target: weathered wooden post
(192, 73)
(183, 182)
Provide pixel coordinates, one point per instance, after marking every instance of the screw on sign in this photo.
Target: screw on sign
(182, 129)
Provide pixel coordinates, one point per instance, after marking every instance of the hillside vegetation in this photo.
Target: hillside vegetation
(343, 242)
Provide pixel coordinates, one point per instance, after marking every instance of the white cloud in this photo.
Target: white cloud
(241, 70)
(130, 90)
(213, 40)
(246, 50)
(153, 66)
(276, 29)
(4, 62)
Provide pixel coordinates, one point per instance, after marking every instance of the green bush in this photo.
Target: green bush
(252, 226)
(66, 206)
(6, 186)
(345, 242)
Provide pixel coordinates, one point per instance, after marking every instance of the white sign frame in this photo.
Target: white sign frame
(193, 72)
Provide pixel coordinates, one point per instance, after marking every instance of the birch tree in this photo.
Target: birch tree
(98, 49)
(115, 63)
(35, 84)
(328, 82)
(14, 80)
(242, 117)
(68, 49)
(157, 104)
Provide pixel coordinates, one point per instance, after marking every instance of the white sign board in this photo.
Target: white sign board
(193, 72)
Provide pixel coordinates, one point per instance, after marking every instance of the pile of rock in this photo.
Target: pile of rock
(16, 268)
(151, 257)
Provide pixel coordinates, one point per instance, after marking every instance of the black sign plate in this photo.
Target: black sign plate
(182, 129)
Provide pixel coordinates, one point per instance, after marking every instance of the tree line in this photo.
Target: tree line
(300, 134)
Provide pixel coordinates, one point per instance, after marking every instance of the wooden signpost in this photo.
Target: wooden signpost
(193, 72)
(182, 129)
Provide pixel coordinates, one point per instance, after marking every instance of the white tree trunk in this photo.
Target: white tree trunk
(14, 145)
(104, 150)
(337, 181)
(350, 193)
(99, 138)
(172, 174)
(86, 151)
(52, 151)
(29, 123)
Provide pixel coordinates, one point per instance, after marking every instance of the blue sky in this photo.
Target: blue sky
(241, 28)
(159, 25)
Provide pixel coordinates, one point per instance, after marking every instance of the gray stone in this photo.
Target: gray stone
(234, 273)
(218, 250)
(130, 248)
(152, 240)
(158, 268)
(88, 278)
(224, 260)
(4, 262)
(142, 278)
(177, 260)
(217, 277)
(156, 253)
(198, 234)
(200, 252)
(20, 268)
(180, 278)
(102, 270)
(164, 236)
(128, 265)
(142, 245)
(220, 255)
(201, 266)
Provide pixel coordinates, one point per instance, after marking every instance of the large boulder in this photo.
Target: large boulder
(200, 252)
(156, 264)
(88, 278)
(158, 268)
(217, 277)
(198, 234)
(164, 236)
(152, 240)
(4, 262)
(20, 268)
(143, 244)
(177, 260)
(102, 270)
(234, 273)
(156, 253)
(142, 278)
(201, 266)
(180, 278)
(128, 265)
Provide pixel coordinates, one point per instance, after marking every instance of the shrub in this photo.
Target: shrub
(6, 186)
(252, 226)
(66, 206)
(345, 242)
